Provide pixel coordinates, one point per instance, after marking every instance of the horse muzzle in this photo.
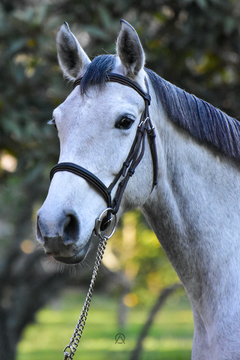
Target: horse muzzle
(59, 238)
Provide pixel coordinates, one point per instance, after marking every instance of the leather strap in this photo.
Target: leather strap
(87, 175)
(127, 82)
(150, 129)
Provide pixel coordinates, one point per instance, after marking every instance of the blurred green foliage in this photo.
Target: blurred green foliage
(194, 44)
(140, 256)
(170, 338)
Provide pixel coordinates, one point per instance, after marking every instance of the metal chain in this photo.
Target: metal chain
(70, 349)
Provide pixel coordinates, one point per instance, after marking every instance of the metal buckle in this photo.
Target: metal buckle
(109, 231)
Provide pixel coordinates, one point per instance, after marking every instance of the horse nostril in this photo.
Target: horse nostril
(70, 230)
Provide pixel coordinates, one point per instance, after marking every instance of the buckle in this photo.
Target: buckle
(105, 226)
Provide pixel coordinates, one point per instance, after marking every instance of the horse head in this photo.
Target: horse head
(97, 125)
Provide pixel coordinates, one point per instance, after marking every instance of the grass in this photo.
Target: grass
(170, 336)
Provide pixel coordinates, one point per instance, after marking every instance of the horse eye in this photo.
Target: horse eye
(125, 123)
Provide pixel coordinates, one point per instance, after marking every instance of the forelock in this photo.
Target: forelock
(97, 71)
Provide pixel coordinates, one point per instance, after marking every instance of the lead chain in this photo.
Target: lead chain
(71, 348)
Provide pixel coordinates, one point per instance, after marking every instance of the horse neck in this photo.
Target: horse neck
(194, 212)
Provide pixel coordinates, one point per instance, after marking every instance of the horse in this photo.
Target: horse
(185, 179)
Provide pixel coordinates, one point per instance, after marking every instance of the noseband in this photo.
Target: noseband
(134, 157)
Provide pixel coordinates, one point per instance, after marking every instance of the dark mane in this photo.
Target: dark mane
(97, 71)
(205, 122)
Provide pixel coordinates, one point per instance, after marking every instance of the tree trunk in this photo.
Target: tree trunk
(7, 343)
(165, 293)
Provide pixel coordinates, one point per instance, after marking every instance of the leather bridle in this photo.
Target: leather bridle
(145, 128)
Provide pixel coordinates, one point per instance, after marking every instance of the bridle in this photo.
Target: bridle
(145, 128)
(106, 220)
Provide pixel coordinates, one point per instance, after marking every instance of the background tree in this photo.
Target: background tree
(195, 44)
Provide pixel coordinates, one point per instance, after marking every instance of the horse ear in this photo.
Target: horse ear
(129, 49)
(72, 58)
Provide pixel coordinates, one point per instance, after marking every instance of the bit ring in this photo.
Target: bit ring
(112, 221)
